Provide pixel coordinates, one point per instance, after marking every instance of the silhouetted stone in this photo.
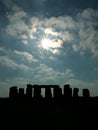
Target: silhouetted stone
(74, 113)
(48, 93)
(29, 91)
(86, 93)
(37, 91)
(13, 94)
(57, 91)
(67, 91)
(60, 91)
(75, 92)
(21, 92)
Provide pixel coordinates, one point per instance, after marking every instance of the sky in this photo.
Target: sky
(49, 42)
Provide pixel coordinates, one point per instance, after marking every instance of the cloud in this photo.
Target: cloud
(63, 22)
(55, 28)
(69, 74)
(1, 49)
(81, 30)
(52, 24)
(50, 31)
(51, 76)
(47, 73)
(55, 51)
(16, 25)
(6, 62)
(87, 25)
(89, 13)
(25, 55)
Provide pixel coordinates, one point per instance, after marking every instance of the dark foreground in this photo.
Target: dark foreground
(70, 114)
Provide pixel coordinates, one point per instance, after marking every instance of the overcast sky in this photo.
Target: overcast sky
(49, 42)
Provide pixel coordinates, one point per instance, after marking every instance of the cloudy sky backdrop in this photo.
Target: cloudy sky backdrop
(49, 42)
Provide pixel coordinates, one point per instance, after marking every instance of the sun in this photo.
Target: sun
(46, 43)
(50, 43)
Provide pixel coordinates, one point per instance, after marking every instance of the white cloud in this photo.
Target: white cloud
(50, 31)
(10, 63)
(15, 17)
(69, 74)
(46, 71)
(55, 51)
(83, 29)
(7, 62)
(24, 37)
(49, 25)
(66, 36)
(87, 32)
(16, 25)
(62, 22)
(25, 55)
(57, 43)
(89, 13)
(1, 49)
(81, 32)
(34, 21)
(47, 75)
(25, 42)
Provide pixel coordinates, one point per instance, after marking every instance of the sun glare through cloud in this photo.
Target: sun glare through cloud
(46, 43)
(49, 43)
(50, 39)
